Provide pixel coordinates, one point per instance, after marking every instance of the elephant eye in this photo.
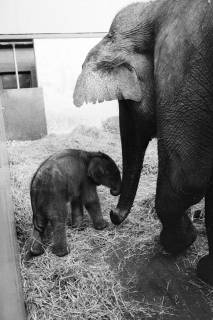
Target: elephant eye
(110, 36)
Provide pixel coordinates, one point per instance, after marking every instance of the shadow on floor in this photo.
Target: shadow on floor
(165, 285)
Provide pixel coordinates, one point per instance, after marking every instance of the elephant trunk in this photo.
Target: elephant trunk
(136, 132)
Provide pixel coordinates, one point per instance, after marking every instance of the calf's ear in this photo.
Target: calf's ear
(95, 171)
(97, 85)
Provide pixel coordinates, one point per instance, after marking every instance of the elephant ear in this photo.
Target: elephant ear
(96, 170)
(98, 85)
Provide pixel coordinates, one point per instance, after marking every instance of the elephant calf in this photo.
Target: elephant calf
(70, 176)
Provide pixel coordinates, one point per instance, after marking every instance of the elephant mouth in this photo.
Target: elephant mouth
(95, 85)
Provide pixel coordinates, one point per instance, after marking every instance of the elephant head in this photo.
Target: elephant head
(103, 171)
(116, 68)
(121, 67)
(157, 61)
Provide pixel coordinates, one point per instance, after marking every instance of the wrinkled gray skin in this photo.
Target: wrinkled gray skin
(157, 60)
(69, 177)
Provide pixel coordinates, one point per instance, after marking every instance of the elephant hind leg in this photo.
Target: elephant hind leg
(178, 232)
(205, 265)
(40, 225)
(187, 179)
(57, 213)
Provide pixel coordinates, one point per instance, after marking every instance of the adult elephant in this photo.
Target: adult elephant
(157, 60)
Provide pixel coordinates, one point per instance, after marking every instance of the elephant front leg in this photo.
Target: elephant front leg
(94, 209)
(178, 232)
(205, 265)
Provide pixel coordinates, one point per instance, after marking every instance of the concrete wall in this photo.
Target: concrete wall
(23, 111)
(59, 63)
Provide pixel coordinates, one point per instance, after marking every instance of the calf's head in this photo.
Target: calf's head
(103, 171)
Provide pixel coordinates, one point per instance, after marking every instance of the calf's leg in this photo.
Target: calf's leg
(40, 224)
(57, 215)
(94, 209)
(77, 213)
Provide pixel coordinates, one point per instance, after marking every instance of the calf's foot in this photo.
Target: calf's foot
(36, 248)
(77, 225)
(100, 225)
(60, 251)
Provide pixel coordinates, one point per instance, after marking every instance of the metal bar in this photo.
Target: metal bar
(52, 35)
(11, 297)
(16, 43)
(35, 62)
(16, 66)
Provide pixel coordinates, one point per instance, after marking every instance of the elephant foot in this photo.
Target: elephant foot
(176, 240)
(117, 216)
(60, 251)
(76, 223)
(69, 222)
(100, 225)
(204, 269)
(36, 248)
(79, 226)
